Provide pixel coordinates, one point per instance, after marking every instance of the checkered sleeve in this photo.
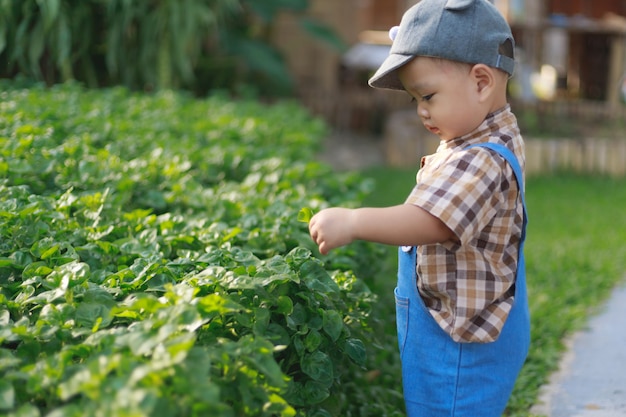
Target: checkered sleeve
(463, 192)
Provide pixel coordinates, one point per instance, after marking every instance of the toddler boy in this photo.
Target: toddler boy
(461, 304)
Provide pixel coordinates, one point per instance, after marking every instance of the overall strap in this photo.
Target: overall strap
(517, 169)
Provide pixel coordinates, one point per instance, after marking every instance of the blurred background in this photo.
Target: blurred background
(569, 82)
(567, 51)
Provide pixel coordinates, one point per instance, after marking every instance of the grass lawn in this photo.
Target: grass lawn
(575, 255)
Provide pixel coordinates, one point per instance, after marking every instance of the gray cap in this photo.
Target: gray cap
(471, 31)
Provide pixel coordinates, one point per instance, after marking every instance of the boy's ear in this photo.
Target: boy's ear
(485, 79)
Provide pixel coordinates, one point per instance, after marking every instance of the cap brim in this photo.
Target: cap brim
(387, 75)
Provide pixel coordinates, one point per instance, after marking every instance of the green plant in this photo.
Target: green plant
(192, 44)
(38, 36)
(159, 44)
(152, 262)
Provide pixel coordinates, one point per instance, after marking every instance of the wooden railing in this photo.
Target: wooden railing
(406, 141)
(592, 156)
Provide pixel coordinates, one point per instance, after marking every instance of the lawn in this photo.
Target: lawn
(575, 255)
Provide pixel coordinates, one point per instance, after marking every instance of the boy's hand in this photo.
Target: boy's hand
(332, 228)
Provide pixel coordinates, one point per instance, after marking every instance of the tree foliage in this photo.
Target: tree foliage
(193, 44)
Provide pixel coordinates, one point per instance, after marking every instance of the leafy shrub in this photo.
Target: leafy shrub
(194, 44)
(152, 264)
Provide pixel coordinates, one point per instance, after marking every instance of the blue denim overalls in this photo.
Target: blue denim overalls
(443, 378)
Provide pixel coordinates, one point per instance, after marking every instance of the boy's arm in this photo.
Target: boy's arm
(403, 225)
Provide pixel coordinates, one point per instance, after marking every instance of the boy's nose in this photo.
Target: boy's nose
(422, 112)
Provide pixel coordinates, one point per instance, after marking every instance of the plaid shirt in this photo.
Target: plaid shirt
(468, 286)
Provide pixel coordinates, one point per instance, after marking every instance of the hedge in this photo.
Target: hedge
(152, 262)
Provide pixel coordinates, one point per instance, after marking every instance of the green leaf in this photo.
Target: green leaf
(333, 324)
(3, 37)
(7, 395)
(298, 317)
(27, 410)
(313, 340)
(5, 319)
(278, 335)
(284, 305)
(277, 406)
(36, 269)
(44, 246)
(6, 262)
(315, 392)
(36, 46)
(305, 214)
(318, 366)
(49, 11)
(259, 353)
(319, 413)
(317, 278)
(88, 314)
(49, 252)
(355, 350)
(262, 320)
(21, 258)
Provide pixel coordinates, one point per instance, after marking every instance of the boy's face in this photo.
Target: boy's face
(447, 96)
